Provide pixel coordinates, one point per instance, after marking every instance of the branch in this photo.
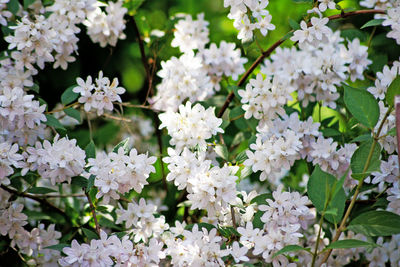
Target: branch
(144, 59)
(269, 51)
(42, 201)
(93, 213)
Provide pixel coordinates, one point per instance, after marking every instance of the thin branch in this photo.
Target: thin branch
(129, 105)
(41, 200)
(143, 57)
(268, 52)
(233, 217)
(160, 146)
(63, 108)
(92, 208)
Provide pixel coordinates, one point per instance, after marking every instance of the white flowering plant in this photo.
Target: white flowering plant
(221, 145)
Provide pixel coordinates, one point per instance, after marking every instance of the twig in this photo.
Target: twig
(160, 146)
(268, 52)
(144, 59)
(233, 217)
(93, 213)
(129, 105)
(116, 118)
(42, 201)
(63, 108)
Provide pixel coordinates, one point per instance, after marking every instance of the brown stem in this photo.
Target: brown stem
(92, 208)
(268, 52)
(143, 56)
(233, 217)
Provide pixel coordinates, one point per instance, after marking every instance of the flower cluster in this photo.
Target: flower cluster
(286, 140)
(264, 98)
(140, 217)
(59, 161)
(107, 27)
(117, 172)
(33, 243)
(209, 188)
(315, 71)
(99, 96)
(245, 23)
(195, 77)
(9, 158)
(182, 78)
(222, 61)
(191, 34)
(195, 247)
(104, 251)
(53, 39)
(191, 127)
(20, 115)
(384, 79)
(283, 218)
(4, 13)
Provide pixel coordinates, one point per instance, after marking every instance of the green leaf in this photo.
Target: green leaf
(376, 223)
(228, 231)
(236, 113)
(90, 182)
(350, 243)
(242, 156)
(79, 181)
(109, 224)
(257, 223)
(294, 24)
(246, 171)
(13, 6)
(133, 6)
(53, 122)
(361, 138)
(290, 248)
(360, 156)
(392, 91)
(90, 234)
(73, 113)
(319, 187)
(69, 96)
(27, 3)
(34, 88)
(373, 22)
(124, 143)
(222, 151)
(287, 36)
(392, 131)
(90, 150)
(362, 105)
(41, 190)
(353, 33)
(261, 199)
(360, 176)
(58, 247)
(235, 89)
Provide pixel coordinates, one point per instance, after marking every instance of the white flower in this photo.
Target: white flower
(191, 34)
(191, 126)
(239, 253)
(325, 4)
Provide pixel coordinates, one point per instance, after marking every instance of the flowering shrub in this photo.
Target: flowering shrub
(228, 153)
